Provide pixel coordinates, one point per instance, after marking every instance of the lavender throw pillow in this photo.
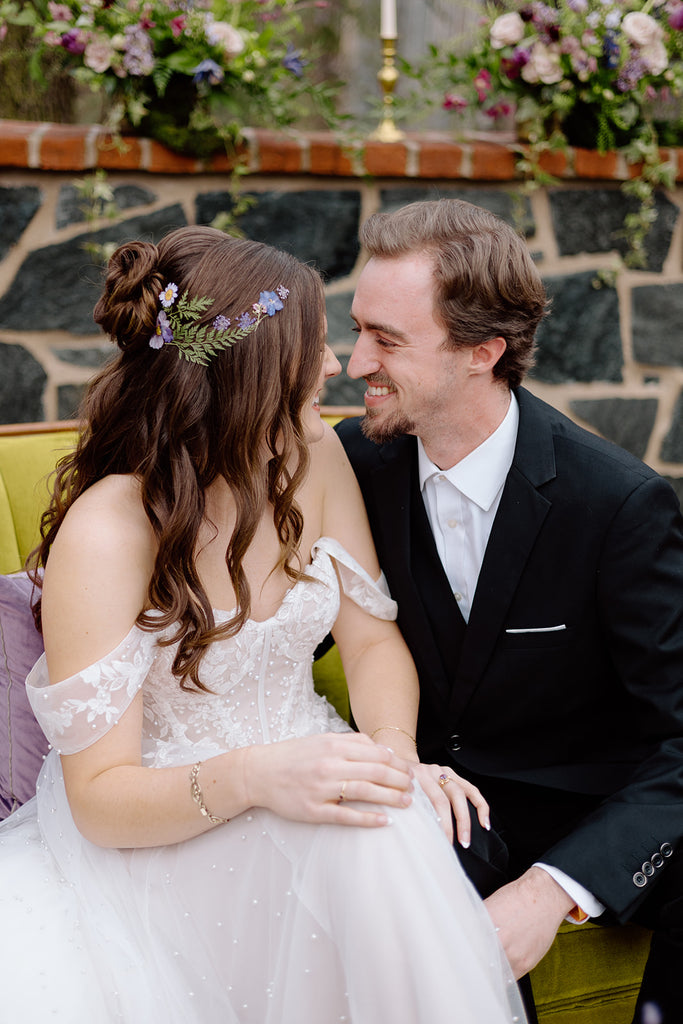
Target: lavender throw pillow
(22, 742)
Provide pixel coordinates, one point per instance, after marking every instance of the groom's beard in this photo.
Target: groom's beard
(388, 429)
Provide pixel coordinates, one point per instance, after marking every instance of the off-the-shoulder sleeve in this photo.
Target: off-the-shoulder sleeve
(371, 595)
(77, 711)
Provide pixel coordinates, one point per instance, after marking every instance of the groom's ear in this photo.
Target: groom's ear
(485, 355)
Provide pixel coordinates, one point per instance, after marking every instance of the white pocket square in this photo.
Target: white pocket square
(538, 629)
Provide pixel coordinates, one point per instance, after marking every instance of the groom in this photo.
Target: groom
(539, 577)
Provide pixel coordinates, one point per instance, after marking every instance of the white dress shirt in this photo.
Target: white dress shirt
(461, 505)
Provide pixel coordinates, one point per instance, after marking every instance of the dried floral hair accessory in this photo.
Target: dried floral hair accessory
(177, 323)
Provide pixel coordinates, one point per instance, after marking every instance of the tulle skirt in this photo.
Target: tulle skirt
(260, 921)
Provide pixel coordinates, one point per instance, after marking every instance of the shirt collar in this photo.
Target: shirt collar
(482, 473)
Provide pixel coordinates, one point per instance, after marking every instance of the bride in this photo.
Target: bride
(210, 842)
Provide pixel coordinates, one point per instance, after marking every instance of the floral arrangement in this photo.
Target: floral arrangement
(594, 68)
(191, 73)
(593, 73)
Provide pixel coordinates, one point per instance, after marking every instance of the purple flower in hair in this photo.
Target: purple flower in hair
(163, 335)
(221, 323)
(245, 320)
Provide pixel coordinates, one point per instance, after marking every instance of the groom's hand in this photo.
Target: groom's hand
(527, 914)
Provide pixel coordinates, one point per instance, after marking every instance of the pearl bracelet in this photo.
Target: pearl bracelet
(198, 797)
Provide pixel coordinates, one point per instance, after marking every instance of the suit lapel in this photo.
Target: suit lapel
(520, 516)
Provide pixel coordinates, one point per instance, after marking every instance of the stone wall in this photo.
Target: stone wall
(611, 356)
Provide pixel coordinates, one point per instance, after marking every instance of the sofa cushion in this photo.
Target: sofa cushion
(22, 742)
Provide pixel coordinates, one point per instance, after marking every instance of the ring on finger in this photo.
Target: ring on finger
(444, 779)
(342, 797)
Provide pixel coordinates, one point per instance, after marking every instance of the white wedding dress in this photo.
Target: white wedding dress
(259, 921)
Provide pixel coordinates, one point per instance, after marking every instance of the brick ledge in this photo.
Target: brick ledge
(421, 155)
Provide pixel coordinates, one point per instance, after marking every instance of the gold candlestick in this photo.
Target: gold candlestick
(387, 77)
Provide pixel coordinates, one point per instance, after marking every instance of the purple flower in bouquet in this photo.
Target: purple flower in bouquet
(512, 66)
(208, 72)
(138, 58)
(631, 73)
(293, 62)
(73, 41)
(611, 50)
(676, 17)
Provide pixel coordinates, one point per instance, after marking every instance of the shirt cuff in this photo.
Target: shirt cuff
(582, 897)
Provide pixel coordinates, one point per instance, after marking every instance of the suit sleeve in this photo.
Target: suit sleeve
(622, 849)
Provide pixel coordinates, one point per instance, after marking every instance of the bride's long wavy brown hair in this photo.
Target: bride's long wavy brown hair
(178, 426)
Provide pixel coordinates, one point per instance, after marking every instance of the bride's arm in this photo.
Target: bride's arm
(95, 585)
(380, 672)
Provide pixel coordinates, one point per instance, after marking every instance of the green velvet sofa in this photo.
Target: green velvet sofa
(590, 975)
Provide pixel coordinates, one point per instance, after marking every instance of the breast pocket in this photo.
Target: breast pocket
(536, 638)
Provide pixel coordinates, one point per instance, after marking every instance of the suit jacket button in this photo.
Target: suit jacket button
(454, 742)
(648, 869)
(657, 859)
(666, 849)
(639, 879)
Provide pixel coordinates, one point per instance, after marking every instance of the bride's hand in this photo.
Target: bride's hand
(314, 778)
(448, 791)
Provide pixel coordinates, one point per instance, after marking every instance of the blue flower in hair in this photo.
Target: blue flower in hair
(271, 302)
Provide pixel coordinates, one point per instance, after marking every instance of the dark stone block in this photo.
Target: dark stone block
(580, 340)
(672, 445)
(319, 227)
(92, 358)
(56, 288)
(22, 382)
(657, 315)
(626, 421)
(339, 322)
(592, 220)
(69, 398)
(677, 484)
(342, 390)
(512, 207)
(18, 206)
(73, 209)
(127, 197)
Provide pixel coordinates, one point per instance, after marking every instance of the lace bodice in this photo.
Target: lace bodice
(260, 680)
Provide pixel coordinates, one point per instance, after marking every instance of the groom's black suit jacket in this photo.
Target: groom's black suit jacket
(586, 539)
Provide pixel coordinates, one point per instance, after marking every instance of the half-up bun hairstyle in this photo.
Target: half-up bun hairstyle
(127, 309)
(178, 425)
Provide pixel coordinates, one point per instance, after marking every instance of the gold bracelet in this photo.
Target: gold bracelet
(198, 797)
(394, 728)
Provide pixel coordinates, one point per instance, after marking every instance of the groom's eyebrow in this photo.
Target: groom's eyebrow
(381, 328)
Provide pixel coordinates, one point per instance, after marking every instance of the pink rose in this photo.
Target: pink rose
(655, 56)
(640, 28)
(507, 30)
(219, 33)
(544, 65)
(59, 12)
(98, 54)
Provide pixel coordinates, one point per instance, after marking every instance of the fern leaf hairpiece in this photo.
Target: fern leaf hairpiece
(177, 323)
